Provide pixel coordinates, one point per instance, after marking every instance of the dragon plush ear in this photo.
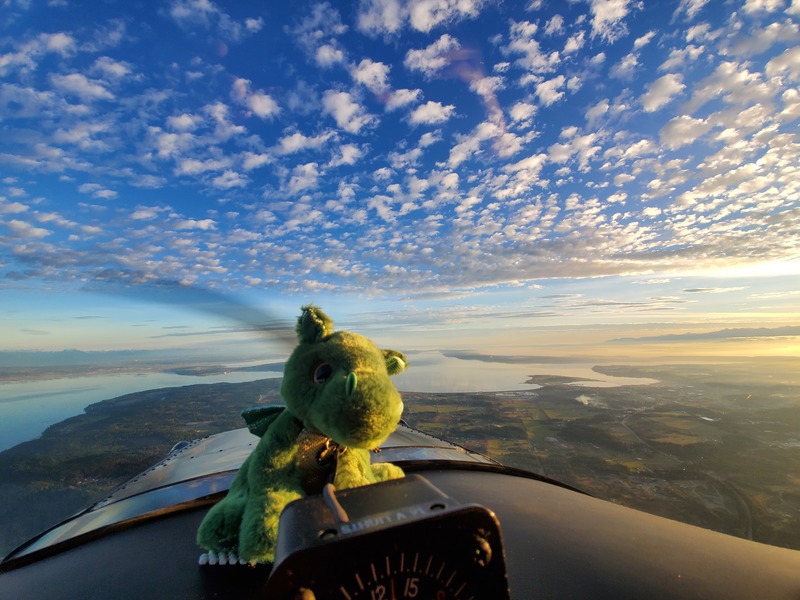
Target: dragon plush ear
(313, 324)
(396, 362)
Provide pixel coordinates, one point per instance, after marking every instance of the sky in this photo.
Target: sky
(509, 177)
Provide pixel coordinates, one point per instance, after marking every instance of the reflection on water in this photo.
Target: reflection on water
(434, 372)
(27, 409)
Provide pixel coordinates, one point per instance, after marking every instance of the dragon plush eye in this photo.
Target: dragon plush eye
(322, 372)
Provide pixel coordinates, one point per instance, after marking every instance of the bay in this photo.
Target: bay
(28, 408)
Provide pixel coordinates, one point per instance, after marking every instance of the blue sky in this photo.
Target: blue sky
(544, 173)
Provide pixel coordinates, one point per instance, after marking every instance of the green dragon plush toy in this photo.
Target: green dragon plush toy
(340, 404)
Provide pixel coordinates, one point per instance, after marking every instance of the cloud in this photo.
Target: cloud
(384, 17)
(403, 97)
(554, 25)
(433, 58)
(751, 6)
(297, 142)
(625, 67)
(787, 64)
(575, 43)
(376, 17)
(24, 230)
(662, 91)
(348, 114)
(347, 154)
(187, 224)
(81, 86)
(229, 179)
(304, 177)
(328, 55)
(112, 69)
(608, 18)
(252, 160)
(642, 41)
(262, 105)
(690, 8)
(204, 14)
(431, 113)
(549, 92)
(183, 122)
(523, 41)
(682, 130)
(12, 208)
(372, 75)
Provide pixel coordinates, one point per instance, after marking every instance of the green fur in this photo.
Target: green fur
(352, 401)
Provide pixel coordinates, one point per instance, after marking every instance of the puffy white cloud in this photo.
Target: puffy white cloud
(304, 177)
(683, 130)
(381, 17)
(297, 142)
(662, 91)
(549, 91)
(229, 179)
(523, 41)
(12, 208)
(433, 58)
(372, 75)
(328, 55)
(348, 114)
(554, 25)
(81, 86)
(260, 104)
(504, 143)
(183, 122)
(584, 146)
(188, 224)
(193, 166)
(430, 113)
(608, 18)
(252, 160)
(24, 230)
(400, 98)
(642, 41)
(112, 69)
(690, 7)
(191, 14)
(751, 6)
(346, 154)
(424, 15)
(787, 63)
(679, 57)
(596, 112)
(377, 17)
(575, 43)
(522, 113)
(625, 67)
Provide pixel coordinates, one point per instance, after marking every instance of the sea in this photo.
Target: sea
(28, 408)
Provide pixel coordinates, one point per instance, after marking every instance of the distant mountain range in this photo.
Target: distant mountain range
(722, 334)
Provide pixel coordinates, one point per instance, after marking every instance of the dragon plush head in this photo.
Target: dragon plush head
(337, 383)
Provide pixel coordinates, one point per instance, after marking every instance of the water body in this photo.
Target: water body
(435, 372)
(27, 409)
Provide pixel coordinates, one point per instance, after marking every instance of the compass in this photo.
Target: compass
(396, 540)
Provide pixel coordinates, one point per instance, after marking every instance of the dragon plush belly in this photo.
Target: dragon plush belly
(340, 404)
